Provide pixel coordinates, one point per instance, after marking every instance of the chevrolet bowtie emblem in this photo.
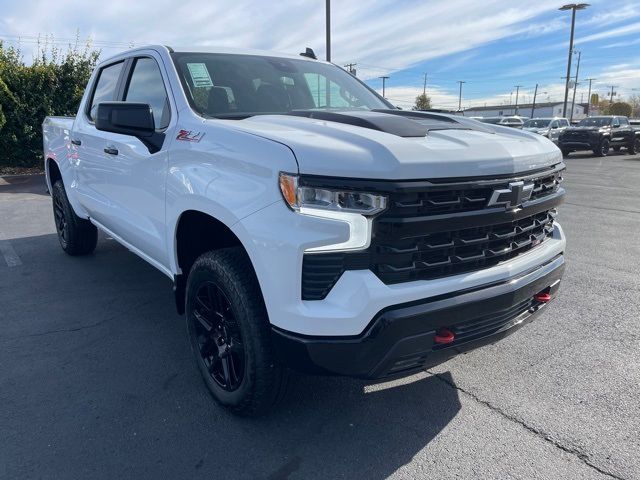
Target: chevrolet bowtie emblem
(513, 196)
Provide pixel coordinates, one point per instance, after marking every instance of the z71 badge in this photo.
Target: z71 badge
(189, 136)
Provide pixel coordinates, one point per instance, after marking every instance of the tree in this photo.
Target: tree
(620, 108)
(634, 101)
(423, 102)
(52, 85)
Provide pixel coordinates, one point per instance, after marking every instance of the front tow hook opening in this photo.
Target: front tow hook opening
(544, 296)
(444, 336)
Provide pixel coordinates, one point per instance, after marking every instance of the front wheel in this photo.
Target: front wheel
(76, 235)
(634, 147)
(565, 152)
(230, 333)
(603, 148)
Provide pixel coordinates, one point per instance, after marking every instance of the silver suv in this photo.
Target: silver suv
(547, 127)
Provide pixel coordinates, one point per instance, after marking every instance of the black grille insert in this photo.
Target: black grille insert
(440, 230)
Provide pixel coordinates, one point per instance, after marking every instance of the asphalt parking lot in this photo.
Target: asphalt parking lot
(97, 379)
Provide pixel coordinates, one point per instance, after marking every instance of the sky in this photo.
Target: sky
(492, 45)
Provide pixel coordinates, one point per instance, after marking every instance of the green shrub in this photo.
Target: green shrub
(52, 85)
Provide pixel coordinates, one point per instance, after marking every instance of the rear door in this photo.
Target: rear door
(88, 144)
(133, 178)
(618, 134)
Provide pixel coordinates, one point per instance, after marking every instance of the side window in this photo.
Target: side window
(564, 123)
(146, 86)
(554, 124)
(105, 89)
(616, 122)
(624, 121)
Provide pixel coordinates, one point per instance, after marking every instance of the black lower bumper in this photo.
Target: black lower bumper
(402, 339)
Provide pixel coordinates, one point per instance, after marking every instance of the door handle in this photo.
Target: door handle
(76, 142)
(111, 151)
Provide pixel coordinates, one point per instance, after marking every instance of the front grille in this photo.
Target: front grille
(577, 136)
(441, 228)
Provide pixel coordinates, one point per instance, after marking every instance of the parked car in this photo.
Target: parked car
(547, 127)
(635, 123)
(514, 122)
(600, 134)
(318, 230)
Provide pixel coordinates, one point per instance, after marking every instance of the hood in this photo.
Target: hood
(436, 146)
(536, 129)
(585, 129)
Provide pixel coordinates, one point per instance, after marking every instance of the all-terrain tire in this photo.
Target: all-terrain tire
(603, 148)
(634, 147)
(225, 314)
(76, 235)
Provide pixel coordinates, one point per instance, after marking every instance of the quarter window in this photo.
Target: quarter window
(106, 84)
(146, 86)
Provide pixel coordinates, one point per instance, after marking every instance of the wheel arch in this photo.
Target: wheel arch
(197, 232)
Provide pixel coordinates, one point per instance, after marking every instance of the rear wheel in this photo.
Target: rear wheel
(230, 333)
(634, 147)
(76, 235)
(603, 148)
(565, 152)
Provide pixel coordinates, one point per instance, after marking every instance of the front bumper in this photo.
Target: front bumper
(401, 339)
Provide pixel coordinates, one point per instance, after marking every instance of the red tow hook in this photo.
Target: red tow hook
(444, 336)
(542, 297)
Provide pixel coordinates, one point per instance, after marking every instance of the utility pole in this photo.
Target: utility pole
(589, 97)
(424, 87)
(351, 69)
(575, 88)
(533, 105)
(517, 92)
(612, 94)
(573, 7)
(328, 27)
(384, 80)
(460, 95)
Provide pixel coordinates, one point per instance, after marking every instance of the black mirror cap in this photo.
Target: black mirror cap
(128, 118)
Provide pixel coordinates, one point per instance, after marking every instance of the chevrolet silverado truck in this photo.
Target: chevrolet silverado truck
(600, 134)
(304, 221)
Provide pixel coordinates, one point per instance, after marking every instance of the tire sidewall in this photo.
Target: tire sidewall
(211, 272)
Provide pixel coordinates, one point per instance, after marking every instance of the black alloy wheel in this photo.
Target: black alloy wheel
(218, 337)
(60, 218)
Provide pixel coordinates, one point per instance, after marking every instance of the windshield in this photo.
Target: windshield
(238, 86)
(537, 123)
(595, 122)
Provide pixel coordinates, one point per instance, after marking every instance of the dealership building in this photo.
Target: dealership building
(550, 109)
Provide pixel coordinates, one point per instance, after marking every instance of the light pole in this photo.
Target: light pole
(573, 7)
(384, 82)
(460, 95)
(328, 28)
(575, 88)
(533, 105)
(517, 92)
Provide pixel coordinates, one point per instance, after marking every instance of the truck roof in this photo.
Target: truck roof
(208, 49)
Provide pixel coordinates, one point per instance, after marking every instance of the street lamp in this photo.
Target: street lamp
(573, 7)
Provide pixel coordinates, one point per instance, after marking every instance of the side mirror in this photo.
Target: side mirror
(133, 119)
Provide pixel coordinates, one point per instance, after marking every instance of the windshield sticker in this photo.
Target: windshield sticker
(189, 136)
(200, 75)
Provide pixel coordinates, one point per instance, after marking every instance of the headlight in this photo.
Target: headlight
(354, 208)
(299, 197)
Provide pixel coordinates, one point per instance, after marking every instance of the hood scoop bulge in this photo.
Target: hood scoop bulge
(396, 122)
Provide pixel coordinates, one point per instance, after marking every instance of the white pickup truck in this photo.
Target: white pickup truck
(305, 222)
